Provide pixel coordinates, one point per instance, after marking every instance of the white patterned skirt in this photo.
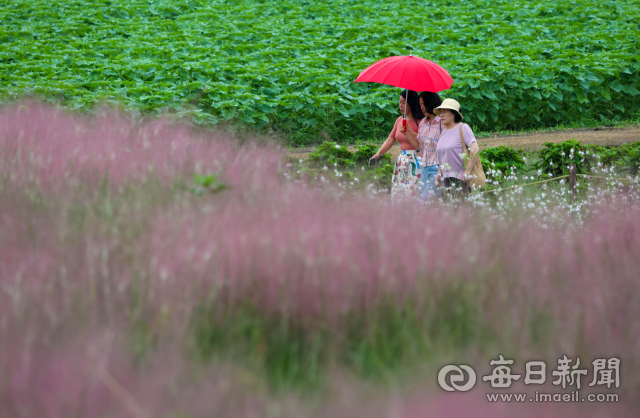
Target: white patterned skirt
(406, 175)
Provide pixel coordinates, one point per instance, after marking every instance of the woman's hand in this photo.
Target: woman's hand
(438, 179)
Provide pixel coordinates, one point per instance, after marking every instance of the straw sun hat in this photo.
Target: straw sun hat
(448, 104)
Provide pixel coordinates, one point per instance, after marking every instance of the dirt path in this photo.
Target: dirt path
(533, 141)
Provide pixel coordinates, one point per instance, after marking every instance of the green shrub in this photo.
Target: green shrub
(606, 155)
(335, 155)
(625, 157)
(379, 176)
(333, 162)
(365, 152)
(630, 160)
(555, 159)
(500, 162)
(331, 154)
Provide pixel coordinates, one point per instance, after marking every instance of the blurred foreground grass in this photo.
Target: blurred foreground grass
(266, 297)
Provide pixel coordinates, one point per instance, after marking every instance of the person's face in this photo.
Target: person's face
(402, 103)
(424, 110)
(447, 116)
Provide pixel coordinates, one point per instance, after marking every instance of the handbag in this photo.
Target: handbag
(475, 175)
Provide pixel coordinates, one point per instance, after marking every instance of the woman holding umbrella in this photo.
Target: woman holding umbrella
(406, 173)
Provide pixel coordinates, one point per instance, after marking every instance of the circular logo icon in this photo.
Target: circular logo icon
(457, 374)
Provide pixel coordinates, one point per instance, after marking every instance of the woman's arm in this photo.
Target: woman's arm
(388, 143)
(386, 146)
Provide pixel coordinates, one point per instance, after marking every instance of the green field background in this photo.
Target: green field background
(289, 66)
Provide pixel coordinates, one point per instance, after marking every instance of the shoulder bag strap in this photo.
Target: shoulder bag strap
(464, 146)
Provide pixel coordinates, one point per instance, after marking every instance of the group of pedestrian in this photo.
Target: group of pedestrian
(430, 140)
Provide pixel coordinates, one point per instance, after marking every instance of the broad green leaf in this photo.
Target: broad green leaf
(297, 60)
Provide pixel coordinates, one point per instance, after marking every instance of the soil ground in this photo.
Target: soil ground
(534, 140)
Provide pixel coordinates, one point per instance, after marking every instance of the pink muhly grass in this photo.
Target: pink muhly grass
(95, 376)
(50, 149)
(313, 257)
(139, 271)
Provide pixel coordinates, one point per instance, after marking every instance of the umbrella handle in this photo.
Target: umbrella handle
(406, 101)
(404, 116)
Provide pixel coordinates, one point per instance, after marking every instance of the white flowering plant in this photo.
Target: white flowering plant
(555, 159)
(502, 163)
(334, 164)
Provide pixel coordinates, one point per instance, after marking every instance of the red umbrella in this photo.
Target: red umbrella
(408, 72)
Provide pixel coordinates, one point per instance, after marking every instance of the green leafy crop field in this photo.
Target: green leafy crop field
(289, 65)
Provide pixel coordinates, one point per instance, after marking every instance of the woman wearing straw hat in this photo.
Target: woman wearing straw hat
(449, 150)
(406, 173)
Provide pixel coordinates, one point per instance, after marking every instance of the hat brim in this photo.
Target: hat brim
(438, 110)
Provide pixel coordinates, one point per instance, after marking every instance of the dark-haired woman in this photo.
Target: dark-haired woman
(429, 131)
(449, 149)
(406, 173)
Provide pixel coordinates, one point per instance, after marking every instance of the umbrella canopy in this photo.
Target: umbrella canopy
(408, 72)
